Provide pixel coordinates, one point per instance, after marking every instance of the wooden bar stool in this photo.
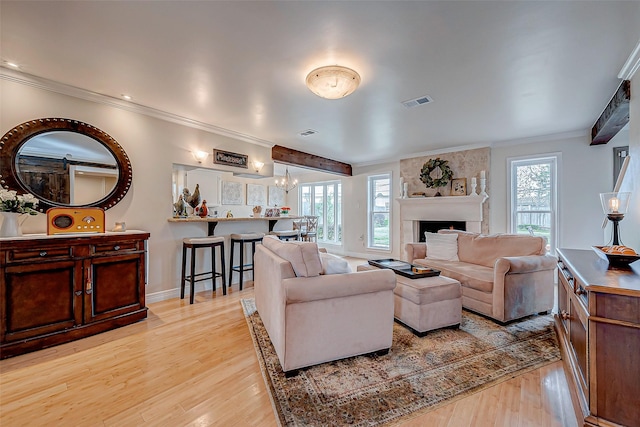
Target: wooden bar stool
(287, 234)
(196, 243)
(243, 239)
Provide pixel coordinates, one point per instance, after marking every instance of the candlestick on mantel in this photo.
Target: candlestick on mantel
(483, 187)
(482, 175)
(473, 186)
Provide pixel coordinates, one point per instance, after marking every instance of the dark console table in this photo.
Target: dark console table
(598, 326)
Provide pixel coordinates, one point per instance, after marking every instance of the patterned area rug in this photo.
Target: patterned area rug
(416, 376)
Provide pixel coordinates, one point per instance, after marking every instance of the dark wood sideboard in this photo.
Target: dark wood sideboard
(598, 326)
(56, 289)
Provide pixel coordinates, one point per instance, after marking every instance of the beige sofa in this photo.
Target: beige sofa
(314, 318)
(503, 276)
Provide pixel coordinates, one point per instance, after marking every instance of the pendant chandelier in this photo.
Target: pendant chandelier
(286, 183)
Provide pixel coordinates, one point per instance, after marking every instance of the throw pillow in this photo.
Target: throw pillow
(303, 256)
(333, 264)
(442, 246)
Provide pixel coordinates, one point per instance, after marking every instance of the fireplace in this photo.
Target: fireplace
(434, 226)
(463, 212)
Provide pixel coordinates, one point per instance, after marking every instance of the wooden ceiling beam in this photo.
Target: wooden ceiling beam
(614, 117)
(292, 157)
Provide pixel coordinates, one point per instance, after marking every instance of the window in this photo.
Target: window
(324, 200)
(379, 206)
(533, 197)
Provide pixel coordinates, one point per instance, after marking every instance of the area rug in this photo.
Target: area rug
(416, 376)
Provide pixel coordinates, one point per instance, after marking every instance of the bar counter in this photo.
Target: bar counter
(212, 221)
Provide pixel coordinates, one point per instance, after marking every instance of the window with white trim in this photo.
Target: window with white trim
(324, 200)
(379, 214)
(533, 197)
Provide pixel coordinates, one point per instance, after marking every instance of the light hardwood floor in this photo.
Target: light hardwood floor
(195, 365)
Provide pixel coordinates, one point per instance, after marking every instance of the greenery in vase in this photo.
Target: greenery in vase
(11, 201)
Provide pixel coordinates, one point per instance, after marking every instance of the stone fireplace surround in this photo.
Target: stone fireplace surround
(445, 208)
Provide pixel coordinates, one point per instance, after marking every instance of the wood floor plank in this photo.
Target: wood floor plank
(196, 365)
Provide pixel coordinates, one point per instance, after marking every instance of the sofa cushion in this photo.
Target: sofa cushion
(486, 249)
(470, 275)
(303, 256)
(333, 264)
(442, 246)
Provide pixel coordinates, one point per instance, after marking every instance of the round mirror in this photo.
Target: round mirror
(64, 162)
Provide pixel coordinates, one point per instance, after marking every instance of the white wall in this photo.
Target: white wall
(630, 226)
(153, 146)
(584, 172)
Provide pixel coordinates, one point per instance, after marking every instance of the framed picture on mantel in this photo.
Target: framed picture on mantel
(459, 187)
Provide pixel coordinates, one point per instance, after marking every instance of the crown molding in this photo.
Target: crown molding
(64, 89)
(632, 65)
(585, 133)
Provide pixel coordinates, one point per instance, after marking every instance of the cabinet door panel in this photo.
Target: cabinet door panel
(41, 299)
(117, 283)
(564, 290)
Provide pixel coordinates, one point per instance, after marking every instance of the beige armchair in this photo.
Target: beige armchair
(313, 318)
(503, 276)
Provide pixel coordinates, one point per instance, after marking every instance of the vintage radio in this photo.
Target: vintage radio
(75, 220)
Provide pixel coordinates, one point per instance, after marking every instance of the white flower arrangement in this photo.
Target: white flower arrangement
(11, 201)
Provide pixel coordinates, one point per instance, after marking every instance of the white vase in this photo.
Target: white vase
(11, 224)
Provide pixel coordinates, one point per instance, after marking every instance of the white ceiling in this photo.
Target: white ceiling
(497, 71)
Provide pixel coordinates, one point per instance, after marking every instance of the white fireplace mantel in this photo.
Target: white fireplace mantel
(444, 208)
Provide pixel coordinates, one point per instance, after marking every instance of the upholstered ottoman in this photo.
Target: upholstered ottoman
(425, 304)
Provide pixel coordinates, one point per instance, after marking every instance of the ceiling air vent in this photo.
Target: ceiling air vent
(421, 100)
(308, 132)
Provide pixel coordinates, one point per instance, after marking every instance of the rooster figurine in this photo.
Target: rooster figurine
(192, 199)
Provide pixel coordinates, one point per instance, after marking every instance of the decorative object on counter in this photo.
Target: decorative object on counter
(257, 210)
(11, 201)
(11, 224)
(63, 220)
(615, 205)
(180, 207)
(13, 210)
(256, 194)
(272, 212)
(120, 226)
(436, 173)
(192, 199)
(284, 210)
(232, 193)
(459, 187)
(229, 214)
(617, 255)
(474, 184)
(230, 159)
(483, 184)
(203, 211)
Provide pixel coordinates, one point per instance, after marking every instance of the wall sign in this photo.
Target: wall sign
(230, 159)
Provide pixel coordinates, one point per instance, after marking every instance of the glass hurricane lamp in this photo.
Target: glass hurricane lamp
(614, 206)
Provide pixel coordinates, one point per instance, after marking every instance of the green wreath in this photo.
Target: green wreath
(430, 166)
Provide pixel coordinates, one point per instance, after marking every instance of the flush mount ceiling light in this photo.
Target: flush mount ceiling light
(333, 81)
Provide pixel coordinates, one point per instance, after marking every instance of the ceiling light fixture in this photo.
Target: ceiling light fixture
(286, 183)
(12, 64)
(127, 97)
(333, 81)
